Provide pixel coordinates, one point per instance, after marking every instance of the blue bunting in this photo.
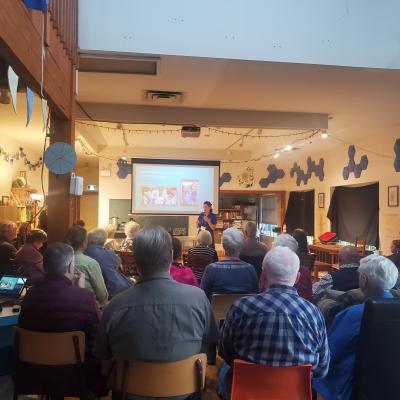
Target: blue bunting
(40, 5)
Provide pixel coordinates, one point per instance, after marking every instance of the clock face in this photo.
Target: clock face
(60, 158)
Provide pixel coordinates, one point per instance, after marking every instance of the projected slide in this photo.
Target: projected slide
(173, 189)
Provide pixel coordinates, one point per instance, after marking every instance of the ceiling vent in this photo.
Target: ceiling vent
(190, 131)
(164, 97)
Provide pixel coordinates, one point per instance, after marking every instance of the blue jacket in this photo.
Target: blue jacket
(109, 263)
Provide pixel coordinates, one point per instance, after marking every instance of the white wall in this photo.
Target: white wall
(331, 32)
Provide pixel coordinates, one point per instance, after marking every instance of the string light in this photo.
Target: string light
(288, 147)
(276, 155)
(324, 135)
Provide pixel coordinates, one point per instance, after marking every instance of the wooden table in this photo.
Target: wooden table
(328, 253)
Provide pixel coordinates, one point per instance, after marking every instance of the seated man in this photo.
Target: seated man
(346, 278)
(60, 304)
(8, 234)
(109, 262)
(158, 319)
(377, 276)
(277, 327)
(230, 275)
(252, 251)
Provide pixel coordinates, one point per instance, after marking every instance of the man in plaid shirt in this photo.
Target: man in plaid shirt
(276, 327)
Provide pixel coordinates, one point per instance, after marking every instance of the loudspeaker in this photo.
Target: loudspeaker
(76, 185)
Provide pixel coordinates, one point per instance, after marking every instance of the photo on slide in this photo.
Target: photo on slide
(190, 192)
(159, 195)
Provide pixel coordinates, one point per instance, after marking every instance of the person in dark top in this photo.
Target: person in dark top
(109, 262)
(60, 304)
(395, 258)
(207, 220)
(306, 258)
(43, 220)
(8, 234)
(23, 230)
(346, 278)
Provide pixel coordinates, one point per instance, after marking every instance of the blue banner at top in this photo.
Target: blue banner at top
(40, 5)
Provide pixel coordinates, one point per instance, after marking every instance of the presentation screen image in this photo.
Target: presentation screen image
(173, 187)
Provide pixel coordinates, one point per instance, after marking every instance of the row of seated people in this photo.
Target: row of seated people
(159, 319)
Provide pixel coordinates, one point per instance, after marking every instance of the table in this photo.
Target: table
(329, 253)
(8, 320)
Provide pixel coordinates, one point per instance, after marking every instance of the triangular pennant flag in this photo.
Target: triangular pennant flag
(44, 113)
(13, 79)
(40, 5)
(29, 105)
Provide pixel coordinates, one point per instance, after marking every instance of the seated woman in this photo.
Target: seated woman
(131, 228)
(109, 262)
(179, 272)
(76, 237)
(23, 230)
(111, 243)
(230, 275)
(29, 260)
(8, 234)
(202, 254)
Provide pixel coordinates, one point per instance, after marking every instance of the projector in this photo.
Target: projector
(190, 131)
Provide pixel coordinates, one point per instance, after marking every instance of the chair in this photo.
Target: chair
(377, 367)
(320, 266)
(255, 261)
(127, 262)
(221, 303)
(40, 349)
(261, 382)
(160, 379)
(361, 243)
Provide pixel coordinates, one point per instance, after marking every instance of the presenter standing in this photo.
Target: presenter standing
(207, 220)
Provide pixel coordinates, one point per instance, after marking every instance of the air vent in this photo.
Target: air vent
(164, 97)
(190, 131)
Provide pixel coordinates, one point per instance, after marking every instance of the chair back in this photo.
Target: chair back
(255, 261)
(221, 303)
(198, 263)
(260, 382)
(44, 348)
(361, 243)
(377, 362)
(161, 379)
(127, 262)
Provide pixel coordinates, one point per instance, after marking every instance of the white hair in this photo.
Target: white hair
(281, 266)
(380, 271)
(97, 236)
(286, 240)
(131, 228)
(204, 238)
(232, 240)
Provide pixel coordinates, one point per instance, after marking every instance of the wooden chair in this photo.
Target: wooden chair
(221, 303)
(127, 263)
(320, 266)
(160, 379)
(260, 382)
(49, 349)
(361, 243)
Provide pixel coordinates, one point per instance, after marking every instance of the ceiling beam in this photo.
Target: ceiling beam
(136, 114)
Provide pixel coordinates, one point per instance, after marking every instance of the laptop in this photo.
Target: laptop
(11, 287)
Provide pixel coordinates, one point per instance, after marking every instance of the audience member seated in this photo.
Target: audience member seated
(131, 229)
(60, 304)
(8, 234)
(202, 254)
(109, 262)
(395, 258)
(252, 251)
(76, 237)
(178, 271)
(346, 278)
(230, 275)
(306, 258)
(377, 276)
(158, 319)
(23, 230)
(304, 283)
(277, 327)
(111, 243)
(29, 259)
(79, 222)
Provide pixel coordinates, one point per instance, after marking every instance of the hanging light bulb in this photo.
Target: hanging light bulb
(325, 135)
(289, 147)
(276, 155)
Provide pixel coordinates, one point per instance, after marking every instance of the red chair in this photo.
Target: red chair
(262, 382)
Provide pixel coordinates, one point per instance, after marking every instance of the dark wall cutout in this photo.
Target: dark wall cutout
(354, 213)
(224, 178)
(124, 168)
(300, 212)
(397, 153)
(352, 166)
(273, 175)
(312, 167)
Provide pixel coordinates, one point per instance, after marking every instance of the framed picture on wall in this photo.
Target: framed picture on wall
(321, 200)
(393, 196)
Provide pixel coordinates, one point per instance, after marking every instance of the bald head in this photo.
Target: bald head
(348, 255)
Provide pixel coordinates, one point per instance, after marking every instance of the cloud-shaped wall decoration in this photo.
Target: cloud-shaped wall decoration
(397, 152)
(312, 168)
(273, 175)
(224, 178)
(352, 166)
(124, 169)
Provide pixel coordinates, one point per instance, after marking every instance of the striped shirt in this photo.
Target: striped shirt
(199, 257)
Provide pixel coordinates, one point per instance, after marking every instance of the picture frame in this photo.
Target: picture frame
(393, 196)
(321, 200)
(5, 200)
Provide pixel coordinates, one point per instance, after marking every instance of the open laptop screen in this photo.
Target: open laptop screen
(12, 286)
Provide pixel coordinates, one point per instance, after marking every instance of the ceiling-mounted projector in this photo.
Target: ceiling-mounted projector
(190, 131)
